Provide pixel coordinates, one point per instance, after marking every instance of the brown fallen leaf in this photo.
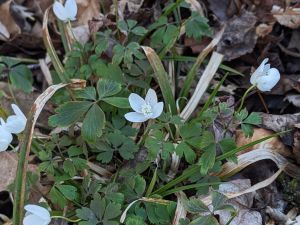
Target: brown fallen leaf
(8, 168)
(87, 10)
(239, 36)
(290, 17)
(242, 204)
(7, 19)
(274, 143)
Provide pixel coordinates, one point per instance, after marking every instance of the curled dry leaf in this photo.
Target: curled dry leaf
(290, 17)
(274, 143)
(246, 159)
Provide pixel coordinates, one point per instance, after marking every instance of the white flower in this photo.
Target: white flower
(15, 124)
(144, 109)
(36, 215)
(5, 136)
(265, 77)
(65, 13)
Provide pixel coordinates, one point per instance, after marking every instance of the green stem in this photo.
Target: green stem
(65, 218)
(64, 39)
(244, 97)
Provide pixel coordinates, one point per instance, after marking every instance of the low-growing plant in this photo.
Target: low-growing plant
(103, 168)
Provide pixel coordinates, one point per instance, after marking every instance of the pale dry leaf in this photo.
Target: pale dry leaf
(87, 10)
(8, 168)
(242, 204)
(264, 29)
(273, 143)
(4, 34)
(180, 212)
(290, 17)
(133, 6)
(294, 99)
(246, 159)
(7, 19)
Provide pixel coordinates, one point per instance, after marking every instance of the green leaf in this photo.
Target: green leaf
(102, 46)
(247, 129)
(240, 116)
(21, 77)
(162, 78)
(93, 123)
(119, 102)
(135, 221)
(254, 119)
(122, 25)
(189, 154)
(69, 191)
(197, 26)
(207, 139)
(57, 197)
(98, 206)
(69, 167)
(86, 214)
(205, 220)
(106, 88)
(140, 31)
(69, 113)
(218, 200)
(87, 93)
(208, 158)
(195, 206)
(112, 211)
(227, 145)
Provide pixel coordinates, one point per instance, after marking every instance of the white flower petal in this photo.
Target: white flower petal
(157, 110)
(258, 72)
(151, 97)
(135, 117)
(5, 138)
(266, 83)
(136, 102)
(34, 220)
(38, 211)
(60, 11)
(15, 124)
(71, 9)
(18, 111)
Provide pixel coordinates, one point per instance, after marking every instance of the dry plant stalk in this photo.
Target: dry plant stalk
(202, 85)
(25, 147)
(253, 156)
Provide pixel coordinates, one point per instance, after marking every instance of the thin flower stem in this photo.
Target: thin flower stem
(244, 97)
(263, 101)
(64, 39)
(65, 218)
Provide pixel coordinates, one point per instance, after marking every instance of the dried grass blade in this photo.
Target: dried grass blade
(253, 156)
(202, 85)
(191, 75)
(25, 146)
(207, 200)
(50, 48)
(162, 77)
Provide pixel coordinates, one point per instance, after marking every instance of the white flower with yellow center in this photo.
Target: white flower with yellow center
(145, 109)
